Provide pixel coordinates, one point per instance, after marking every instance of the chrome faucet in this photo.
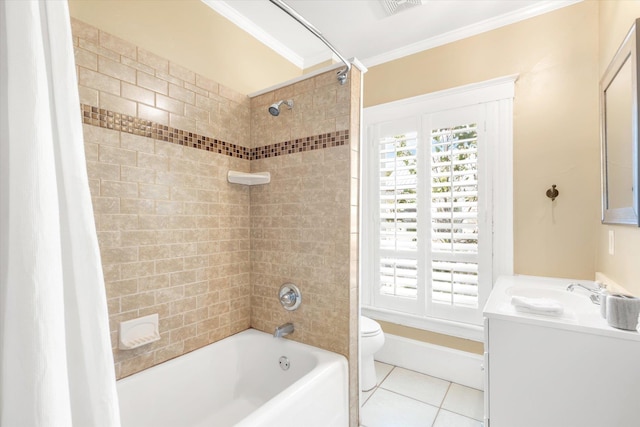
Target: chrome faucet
(283, 330)
(595, 296)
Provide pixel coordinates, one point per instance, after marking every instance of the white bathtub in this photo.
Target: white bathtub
(239, 382)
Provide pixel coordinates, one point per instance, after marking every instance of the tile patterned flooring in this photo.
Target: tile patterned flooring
(405, 398)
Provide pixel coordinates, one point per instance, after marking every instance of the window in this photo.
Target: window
(438, 233)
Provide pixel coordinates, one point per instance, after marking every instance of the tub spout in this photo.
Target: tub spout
(283, 330)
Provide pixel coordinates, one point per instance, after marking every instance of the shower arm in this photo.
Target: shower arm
(342, 74)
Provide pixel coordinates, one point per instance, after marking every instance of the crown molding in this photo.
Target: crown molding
(537, 9)
(258, 33)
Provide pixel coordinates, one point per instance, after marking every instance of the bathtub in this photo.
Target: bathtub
(239, 381)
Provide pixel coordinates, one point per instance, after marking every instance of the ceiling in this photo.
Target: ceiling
(361, 28)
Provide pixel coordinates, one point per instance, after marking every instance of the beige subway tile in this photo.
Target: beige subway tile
(171, 236)
(182, 94)
(121, 288)
(105, 171)
(136, 206)
(108, 205)
(117, 104)
(137, 301)
(184, 194)
(169, 104)
(101, 82)
(86, 59)
(135, 174)
(182, 73)
(210, 104)
(138, 237)
(206, 83)
(195, 113)
(169, 78)
(169, 265)
(168, 295)
(168, 352)
(101, 136)
(84, 31)
(137, 65)
(183, 250)
(208, 325)
(91, 151)
(183, 277)
(207, 129)
(112, 222)
(196, 89)
(153, 282)
(117, 45)
(88, 96)
(113, 306)
(153, 161)
(116, 70)
(108, 239)
(95, 48)
(233, 95)
(183, 305)
(168, 149)
(195, 343)
(153, 60)
(195, 289)
(153, 191)
(150, 253)
(171, 322)
(196, 208)
(137, 143)
(153, 83)
(137, 269)
(184, 333)
(153, 114)
(169, 208)
(111, 272)
(118, 189)
(153, 222)
(117, 155)
(137, 93)
(195, 262)
(119, 255)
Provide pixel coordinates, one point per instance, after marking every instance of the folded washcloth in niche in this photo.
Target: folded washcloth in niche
(544, 306)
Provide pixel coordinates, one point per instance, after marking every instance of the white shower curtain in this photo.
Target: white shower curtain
(56, 366)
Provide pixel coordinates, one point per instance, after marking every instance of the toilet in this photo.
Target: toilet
(371, 340)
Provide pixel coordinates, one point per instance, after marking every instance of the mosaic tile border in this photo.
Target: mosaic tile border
(124, 123)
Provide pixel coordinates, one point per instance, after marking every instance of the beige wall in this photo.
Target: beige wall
(191, 34)
(615, 19)
(555, 125)
(173, 234)
(302, 223)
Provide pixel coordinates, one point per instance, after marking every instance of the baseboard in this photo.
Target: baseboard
(452, 365)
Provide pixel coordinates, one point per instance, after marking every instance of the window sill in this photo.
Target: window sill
(446, 327)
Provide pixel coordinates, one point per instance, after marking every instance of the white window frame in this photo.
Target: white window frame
(495, 99)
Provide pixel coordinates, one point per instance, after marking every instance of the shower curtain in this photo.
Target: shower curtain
(56, 365)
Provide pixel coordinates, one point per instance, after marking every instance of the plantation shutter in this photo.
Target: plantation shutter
(454, 215)
(398, 213)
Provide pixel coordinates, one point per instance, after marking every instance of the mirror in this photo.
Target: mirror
(619, 134)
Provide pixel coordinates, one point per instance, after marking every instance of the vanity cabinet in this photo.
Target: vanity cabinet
(573, 370)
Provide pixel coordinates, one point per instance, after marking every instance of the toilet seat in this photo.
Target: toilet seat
(369, 327)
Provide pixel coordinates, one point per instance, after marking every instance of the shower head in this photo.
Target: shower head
(274, 109)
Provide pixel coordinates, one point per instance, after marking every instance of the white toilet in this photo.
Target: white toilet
(371, 340)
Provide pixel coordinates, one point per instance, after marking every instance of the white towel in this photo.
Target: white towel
(544, 306)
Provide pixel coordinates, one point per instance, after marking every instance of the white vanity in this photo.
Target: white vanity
(564, 371)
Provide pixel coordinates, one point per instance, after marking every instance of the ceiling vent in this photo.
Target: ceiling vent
(391, 7)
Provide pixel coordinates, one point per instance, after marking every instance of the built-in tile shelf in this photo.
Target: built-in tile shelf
(245, 178)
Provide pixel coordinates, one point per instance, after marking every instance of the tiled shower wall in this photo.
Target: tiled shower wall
(174, 235)
(206, 255)
(302, 222)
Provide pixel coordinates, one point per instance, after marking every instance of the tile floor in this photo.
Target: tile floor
(406, 398)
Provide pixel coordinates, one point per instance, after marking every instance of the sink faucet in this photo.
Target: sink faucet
(595, 296)
(283, 330)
